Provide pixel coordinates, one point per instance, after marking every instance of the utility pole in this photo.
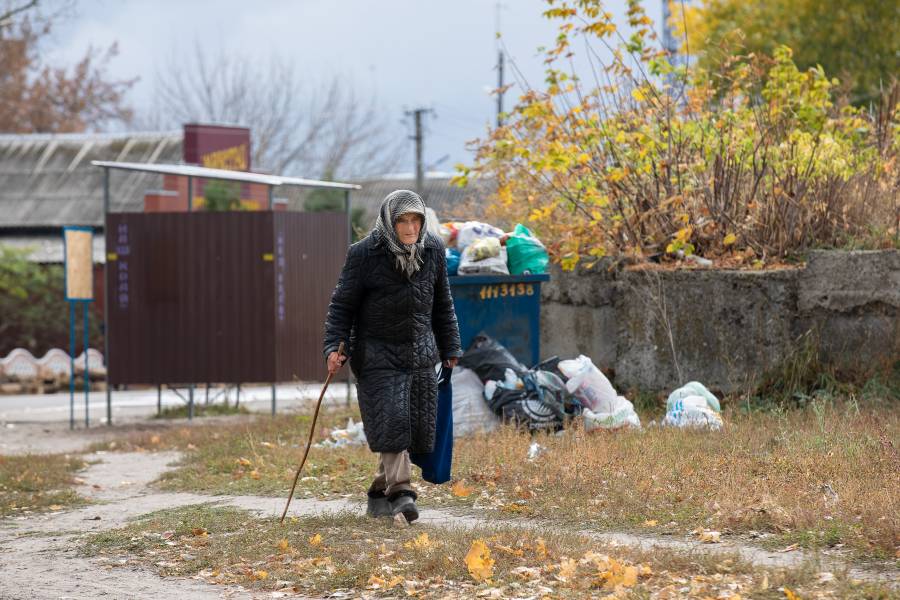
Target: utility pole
(498, 7)
(419, 138)
(500, 89)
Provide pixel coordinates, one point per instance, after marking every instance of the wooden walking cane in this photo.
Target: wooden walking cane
(312, 430)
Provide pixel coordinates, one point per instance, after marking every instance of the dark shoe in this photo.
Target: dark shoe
(378, 505)
(404, 502)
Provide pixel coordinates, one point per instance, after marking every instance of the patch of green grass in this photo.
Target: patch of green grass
(38, 482)
(341, 551)
(202, 410)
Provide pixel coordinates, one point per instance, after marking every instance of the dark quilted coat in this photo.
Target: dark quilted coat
(397, 329)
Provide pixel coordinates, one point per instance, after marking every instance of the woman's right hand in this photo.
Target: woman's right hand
(335, 362)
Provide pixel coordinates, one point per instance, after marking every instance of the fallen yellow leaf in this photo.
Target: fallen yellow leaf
(315, 540)
(254, 474)
(260, 574)
(283, 545)
(199, 531)
(420, 543)
(729, 239)
(567, 569)
(154, 439)
(479, 561)
(789, 595)
(650, 523)
(55, 507)
(244, 462)
(460, 490)
(710, 537)
(540, 547)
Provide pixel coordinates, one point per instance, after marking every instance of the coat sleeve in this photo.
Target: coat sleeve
(344, 303)
(443, 317)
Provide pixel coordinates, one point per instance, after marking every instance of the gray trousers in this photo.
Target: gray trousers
(393, 474)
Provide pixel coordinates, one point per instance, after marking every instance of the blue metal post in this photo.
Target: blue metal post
(87, 372)
(71, 365)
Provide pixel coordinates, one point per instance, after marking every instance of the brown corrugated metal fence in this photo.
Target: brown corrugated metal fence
(234, 297)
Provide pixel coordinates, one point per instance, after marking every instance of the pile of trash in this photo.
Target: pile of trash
(352, 435)
(491, 386)
(475, 248)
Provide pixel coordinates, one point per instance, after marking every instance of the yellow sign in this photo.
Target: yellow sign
(79, 264)
(232, 159)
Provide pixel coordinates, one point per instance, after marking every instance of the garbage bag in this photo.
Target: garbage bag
(471, 413)
(474, 230)
(452, 261)
(352, 435)
(692, 405)
(494, 265)
(435, 465)
(490, 359)
(550, 389)
(623, 415)
(589, 384)
(482, 249)
(693, 388)
(532, 413)
(503, 396)
(526, 254)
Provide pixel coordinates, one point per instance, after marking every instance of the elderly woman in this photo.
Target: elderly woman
(393, 310)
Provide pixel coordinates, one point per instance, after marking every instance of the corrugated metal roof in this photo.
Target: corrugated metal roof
(48, 180)
(447, 200)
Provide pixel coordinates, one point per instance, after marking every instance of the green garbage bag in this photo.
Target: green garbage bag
(525, 253)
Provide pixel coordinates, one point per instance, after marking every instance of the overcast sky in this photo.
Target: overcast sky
(434, 53)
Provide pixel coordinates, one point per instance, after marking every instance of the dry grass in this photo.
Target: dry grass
(327, 553)
(38, 482)
(823, 477)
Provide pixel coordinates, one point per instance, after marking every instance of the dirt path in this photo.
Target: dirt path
(39, 558)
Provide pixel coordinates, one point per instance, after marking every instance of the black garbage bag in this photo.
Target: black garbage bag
(502, 397)
(530, 412)
(490, 359)
(549, 388)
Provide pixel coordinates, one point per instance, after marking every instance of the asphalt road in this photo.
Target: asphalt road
(131, 404)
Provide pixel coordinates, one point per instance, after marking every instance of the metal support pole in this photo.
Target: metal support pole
(348, 206)
(273, 399)
(106, 297)
(87, 371)
(158, 399)
(190, 207)
(237, 396)
(71, 365)
(271, 197)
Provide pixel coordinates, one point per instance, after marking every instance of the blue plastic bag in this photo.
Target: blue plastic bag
(435, 465)
(453, 257)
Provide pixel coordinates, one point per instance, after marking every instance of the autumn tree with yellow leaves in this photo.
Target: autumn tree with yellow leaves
(754, 161)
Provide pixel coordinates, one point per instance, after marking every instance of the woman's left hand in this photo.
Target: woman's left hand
(450, 363)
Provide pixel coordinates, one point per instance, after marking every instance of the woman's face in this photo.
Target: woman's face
(408, 226)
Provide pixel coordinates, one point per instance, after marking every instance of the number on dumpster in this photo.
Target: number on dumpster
(502, 290)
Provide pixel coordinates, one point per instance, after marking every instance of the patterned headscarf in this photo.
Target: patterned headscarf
(399, 202)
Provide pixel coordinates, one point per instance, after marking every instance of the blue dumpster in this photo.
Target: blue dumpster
(505, 307)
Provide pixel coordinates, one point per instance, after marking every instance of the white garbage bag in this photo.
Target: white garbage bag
(353, 435)
(693, 388)
(473, 230)
(623, 415)
(587, 383)
(471, 413)
(692, 405)
(494, 265)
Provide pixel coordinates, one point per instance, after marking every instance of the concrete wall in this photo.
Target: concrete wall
(727, 327)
